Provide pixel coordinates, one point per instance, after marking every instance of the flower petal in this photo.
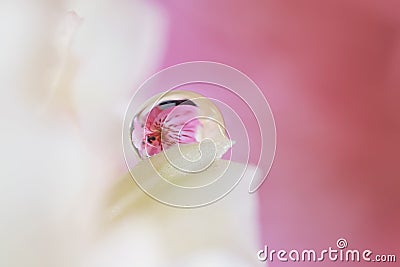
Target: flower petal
(180, 125)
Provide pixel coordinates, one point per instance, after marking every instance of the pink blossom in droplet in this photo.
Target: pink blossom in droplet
(164, 128)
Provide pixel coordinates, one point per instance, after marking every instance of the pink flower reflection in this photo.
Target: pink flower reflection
(165, 127)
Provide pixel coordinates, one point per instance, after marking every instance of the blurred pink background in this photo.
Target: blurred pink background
(330, 71)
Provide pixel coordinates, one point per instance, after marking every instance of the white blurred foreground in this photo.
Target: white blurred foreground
(66, 79)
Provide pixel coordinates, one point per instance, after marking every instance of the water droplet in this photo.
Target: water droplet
(177, 117)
